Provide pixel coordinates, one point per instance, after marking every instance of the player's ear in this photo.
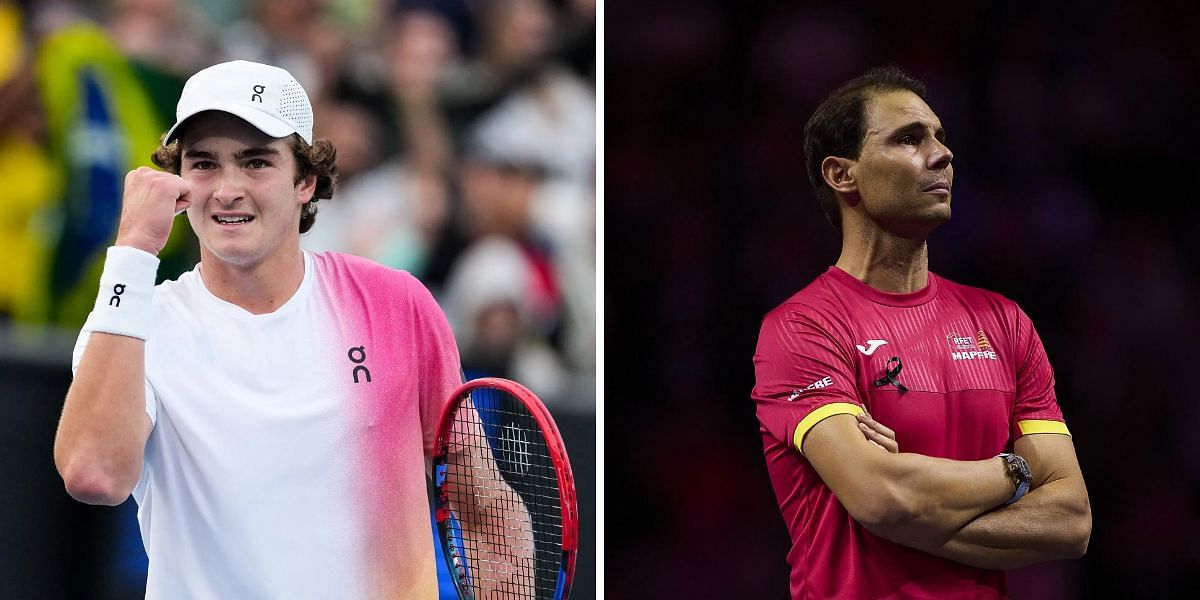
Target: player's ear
(305, 188)
(839, 175)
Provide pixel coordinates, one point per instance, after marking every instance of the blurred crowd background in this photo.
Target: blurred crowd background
(1074, 128)
(466, 142)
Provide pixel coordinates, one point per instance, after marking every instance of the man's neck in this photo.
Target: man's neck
(885, 261)
(260, 288)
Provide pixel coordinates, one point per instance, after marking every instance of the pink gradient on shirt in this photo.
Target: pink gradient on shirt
(391, 330)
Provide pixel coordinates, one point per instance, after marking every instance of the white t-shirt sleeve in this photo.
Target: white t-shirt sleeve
(77, 356)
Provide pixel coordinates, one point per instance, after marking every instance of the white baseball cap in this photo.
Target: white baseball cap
(267, 97)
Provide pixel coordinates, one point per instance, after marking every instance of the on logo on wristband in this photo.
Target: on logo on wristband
(125, 298)
(117, 291)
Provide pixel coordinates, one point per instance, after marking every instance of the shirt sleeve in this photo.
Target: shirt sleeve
(1035, 409)
(439, 368)
(77, 356)
(802, 376)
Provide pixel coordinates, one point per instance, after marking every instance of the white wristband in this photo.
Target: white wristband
(126, 289)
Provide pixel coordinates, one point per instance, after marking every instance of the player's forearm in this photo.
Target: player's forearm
(103, 429)
(1052, 522)
(931, 498)
(104, 426)
(491, 503)
(908, 498)
(505, 557)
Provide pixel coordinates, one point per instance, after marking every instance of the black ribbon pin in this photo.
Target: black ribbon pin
(892, 373)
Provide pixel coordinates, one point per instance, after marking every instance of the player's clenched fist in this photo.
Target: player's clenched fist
(151, 201)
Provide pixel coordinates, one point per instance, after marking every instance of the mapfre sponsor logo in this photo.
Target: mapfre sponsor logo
(816, 385)
(966, 347)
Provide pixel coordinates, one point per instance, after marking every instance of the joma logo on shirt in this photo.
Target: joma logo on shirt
(871, 347)
(820, 383)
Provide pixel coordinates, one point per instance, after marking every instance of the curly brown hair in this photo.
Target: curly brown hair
(318, 159)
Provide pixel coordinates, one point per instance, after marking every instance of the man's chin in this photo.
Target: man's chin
(936, 214)
(920, 226)
(941, 212)
(233, 254)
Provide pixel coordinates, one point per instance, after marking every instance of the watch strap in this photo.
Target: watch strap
(1018, 471)
(1022, 489)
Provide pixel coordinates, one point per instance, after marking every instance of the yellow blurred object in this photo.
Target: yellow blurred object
(10, 40)
(29, 186)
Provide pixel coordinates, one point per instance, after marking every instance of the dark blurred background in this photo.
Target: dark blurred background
(466, 144)
(1074, 129)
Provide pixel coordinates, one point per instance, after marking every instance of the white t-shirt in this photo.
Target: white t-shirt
(288, 454)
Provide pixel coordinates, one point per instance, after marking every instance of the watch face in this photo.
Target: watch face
(1021, 467)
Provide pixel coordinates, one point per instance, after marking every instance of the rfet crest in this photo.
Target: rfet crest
(966, 347)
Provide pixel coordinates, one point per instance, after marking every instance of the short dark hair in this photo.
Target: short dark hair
(838, 126)
(318, 159)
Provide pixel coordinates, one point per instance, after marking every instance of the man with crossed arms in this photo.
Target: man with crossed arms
(988, 478)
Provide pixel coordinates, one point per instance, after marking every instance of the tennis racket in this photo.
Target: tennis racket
(504, 495)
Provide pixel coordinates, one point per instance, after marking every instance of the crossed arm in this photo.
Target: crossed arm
(954, 509)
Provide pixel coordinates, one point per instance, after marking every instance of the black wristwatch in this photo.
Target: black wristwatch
(1019, 471)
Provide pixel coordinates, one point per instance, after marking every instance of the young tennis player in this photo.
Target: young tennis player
(272, 411)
